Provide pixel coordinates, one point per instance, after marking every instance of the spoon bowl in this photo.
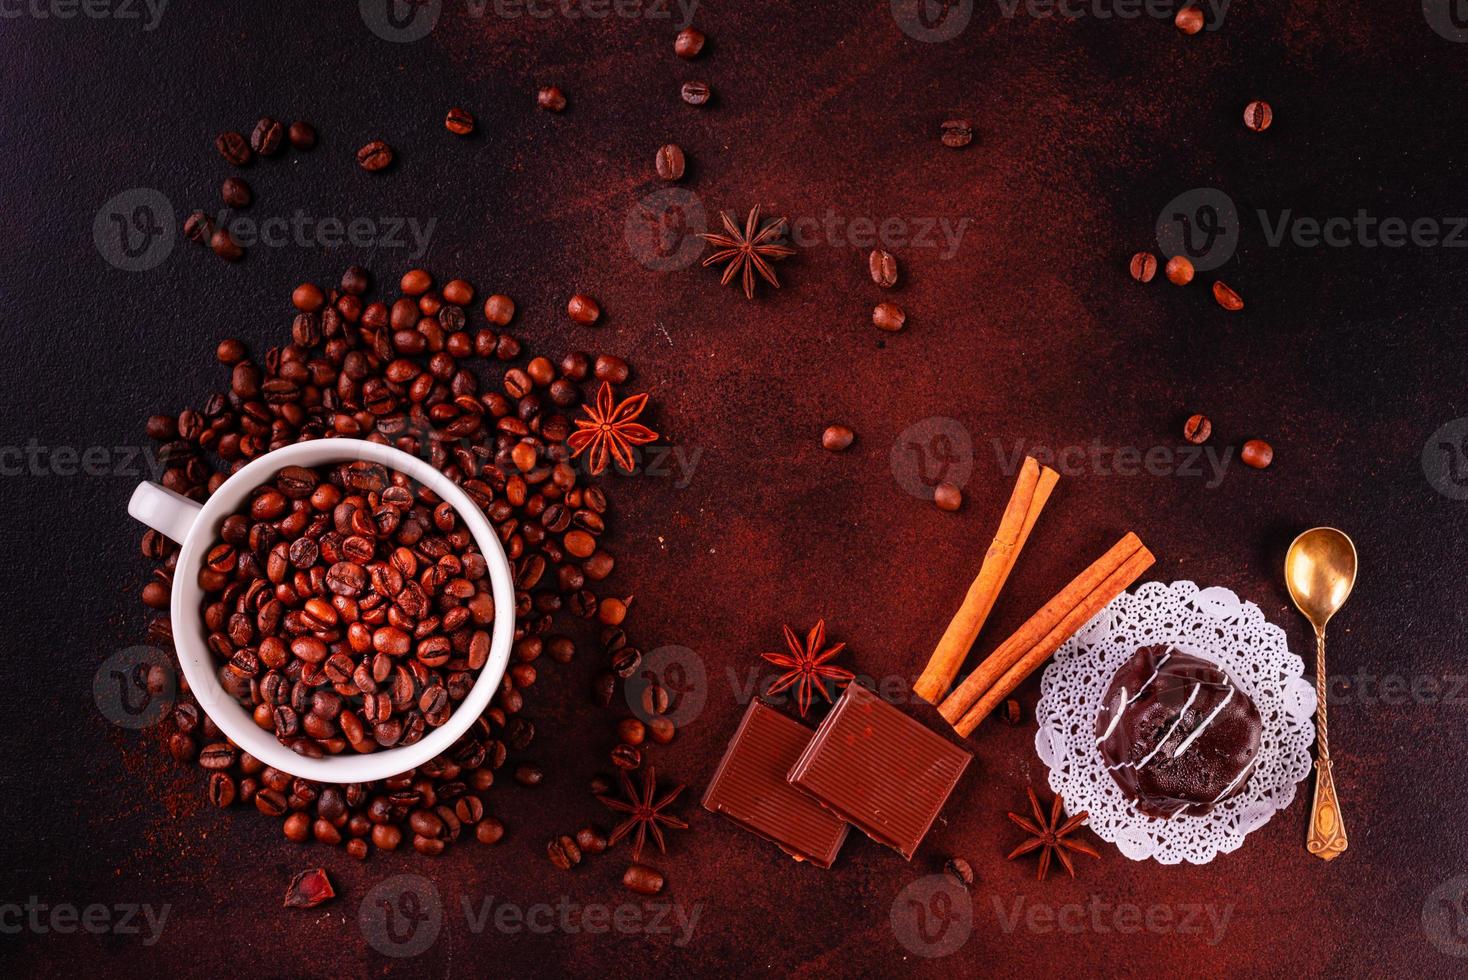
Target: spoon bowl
(1320, 571)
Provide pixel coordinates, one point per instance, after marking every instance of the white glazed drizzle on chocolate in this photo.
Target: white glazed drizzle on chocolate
(1115, 718)
(1155, 671)
(1206, 722)
(1180, 716)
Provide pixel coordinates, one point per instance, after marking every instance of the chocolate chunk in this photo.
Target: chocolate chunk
(750, 788)
(881, 770)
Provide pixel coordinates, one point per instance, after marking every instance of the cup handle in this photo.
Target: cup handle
(169, 513)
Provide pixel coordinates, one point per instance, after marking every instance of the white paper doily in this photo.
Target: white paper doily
(1216, 625)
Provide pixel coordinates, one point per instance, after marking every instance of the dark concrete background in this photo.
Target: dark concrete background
(1347, 359)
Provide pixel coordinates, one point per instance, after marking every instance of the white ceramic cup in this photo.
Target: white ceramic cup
(196, 528)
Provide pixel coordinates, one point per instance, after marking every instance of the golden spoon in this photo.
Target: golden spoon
(1320, 570)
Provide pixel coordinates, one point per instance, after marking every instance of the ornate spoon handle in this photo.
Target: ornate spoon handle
(1327, 836)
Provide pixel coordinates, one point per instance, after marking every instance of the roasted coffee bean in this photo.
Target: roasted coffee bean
(233, 148)
(669, 162)
(235, 192)
(551, 99)
(1258, 115)
(1143, 266)
(499, 309)
(960, 871)
(643, 880)
(267, 136)
(889, 317)
(1226, 297)
(489, 831)
(302, 135)
(527, 774)
(583, 309)
(611, 369)
(1257, 453)
(221, 789)
(198, 228)
(218, 755)
(225, 246)
(626, 757)
(883, 268)
(957, 133)
(375, 156)
(661, 730)
(563, 852)
(1011, 712)
(1197, 429)
(1179, 271)
(591, 840)
(948, 496)
(460, 122)
(837, 438)
(1189, 20)
(688, 43)
(631, 731)
(696, 93)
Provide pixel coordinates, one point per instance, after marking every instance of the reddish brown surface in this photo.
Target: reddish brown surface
(1032, 334)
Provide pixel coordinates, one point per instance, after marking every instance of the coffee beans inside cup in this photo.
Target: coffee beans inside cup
(351, 608)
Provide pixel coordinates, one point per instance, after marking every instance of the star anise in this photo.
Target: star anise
(749, 250)
(1052, 835)
(609, 430)
(806, 667)
(644, 811)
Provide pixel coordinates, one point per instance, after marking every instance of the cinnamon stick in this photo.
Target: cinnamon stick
(1031, 492)
(1034, 630)
(1109, 589)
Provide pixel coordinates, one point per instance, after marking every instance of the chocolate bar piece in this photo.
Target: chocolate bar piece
(750, 788)
(881, 770)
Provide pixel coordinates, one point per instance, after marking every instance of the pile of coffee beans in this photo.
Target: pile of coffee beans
(350, 608)
(401, 371)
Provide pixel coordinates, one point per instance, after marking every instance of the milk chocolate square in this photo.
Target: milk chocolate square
(750, 788)
(874, 766)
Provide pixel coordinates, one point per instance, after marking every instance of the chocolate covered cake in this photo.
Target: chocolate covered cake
(1177, 733)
